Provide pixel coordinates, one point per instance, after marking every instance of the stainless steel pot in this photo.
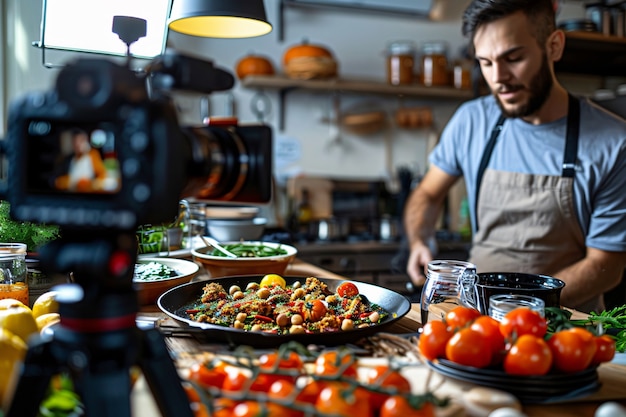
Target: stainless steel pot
(329, 229)
(387, 229)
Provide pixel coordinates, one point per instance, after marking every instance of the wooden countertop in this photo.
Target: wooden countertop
(612, 376)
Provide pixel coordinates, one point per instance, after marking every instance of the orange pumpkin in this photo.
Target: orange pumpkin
(305, 49)
(254, 65)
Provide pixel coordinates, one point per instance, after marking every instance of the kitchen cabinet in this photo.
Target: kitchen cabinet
(285, 85)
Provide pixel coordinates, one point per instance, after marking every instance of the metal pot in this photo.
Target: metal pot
(387, 229)
(329, 229)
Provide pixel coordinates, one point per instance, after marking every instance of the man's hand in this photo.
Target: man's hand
(419, 258)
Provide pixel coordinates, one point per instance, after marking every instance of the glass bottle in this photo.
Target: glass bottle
(400, 62)
(13, 272)
(448, 282)
(434, 64)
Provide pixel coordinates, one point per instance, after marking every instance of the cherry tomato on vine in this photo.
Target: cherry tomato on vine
(432, 341)
(310, 391)
(399, 406)
(199, 410)
(335, 363)
(347, 289)
(250, 409)
(605, 349)
(389, 379)
(461, 316)
(529, 355)
(207, 375)
(523, 320)
(341, 399)
(468, 347)
(572, 352)
(282, 361)
(281, 390)
(223, 407)
(490, 329)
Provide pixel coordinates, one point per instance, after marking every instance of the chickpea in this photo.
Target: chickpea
(252, 286)
(263, 293)
(374, 317)
(296, 284)
(347, 324)
(241, 317)
(238, 325)
(238, 295)
(298, 293)
(282, 320)
(233, 289)
(363, 325)
(296, 329)
(256, 328)
(297, 319)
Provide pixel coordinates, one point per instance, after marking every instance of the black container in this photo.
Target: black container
(541, 286)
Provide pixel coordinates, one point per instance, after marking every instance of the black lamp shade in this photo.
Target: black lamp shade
(219, 18)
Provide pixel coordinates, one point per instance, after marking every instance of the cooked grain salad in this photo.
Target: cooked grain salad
(272, 306)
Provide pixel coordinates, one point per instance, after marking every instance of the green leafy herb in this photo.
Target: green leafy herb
(34, 235)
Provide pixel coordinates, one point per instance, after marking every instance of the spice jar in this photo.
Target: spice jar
(400, 62)
(434, 64)
(448, 282)
(13, 272)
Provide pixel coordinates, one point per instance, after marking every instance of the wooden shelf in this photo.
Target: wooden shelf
(593, 54)
(354, 86)
(284, 85)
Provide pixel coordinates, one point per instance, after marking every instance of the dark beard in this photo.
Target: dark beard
(539, 88)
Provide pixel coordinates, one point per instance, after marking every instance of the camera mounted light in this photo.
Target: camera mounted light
(219, 18)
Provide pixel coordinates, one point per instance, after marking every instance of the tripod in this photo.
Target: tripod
(97, 340)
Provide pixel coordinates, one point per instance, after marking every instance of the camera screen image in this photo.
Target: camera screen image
(72, 158)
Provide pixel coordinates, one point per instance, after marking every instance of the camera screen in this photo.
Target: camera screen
(74, 159)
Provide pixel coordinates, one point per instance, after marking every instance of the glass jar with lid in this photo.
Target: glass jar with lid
(434, 64)
(400, 62)
(448, 281)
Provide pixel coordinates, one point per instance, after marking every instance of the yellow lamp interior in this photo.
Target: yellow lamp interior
(220, 27)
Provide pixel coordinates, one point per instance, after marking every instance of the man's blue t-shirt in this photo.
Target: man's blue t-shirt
(600, 180)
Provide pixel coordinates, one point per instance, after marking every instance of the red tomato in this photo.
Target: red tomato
(470, 348)
(572, 351)
(335, 363)
(347, 289)
(432, 341)
(238, 380)
(250, 409)
(605, 349)
(223, 407)
(315, 310)
(341, 399)
(199, 410)
(280, 391)
(530, 355)
(399, 406)
(287, 361)
(309, 392)
(523, 320)
(461, 316)
(207, 375)
(384, 377)
(490, 329)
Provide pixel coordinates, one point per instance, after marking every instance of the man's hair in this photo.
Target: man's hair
(540, 14)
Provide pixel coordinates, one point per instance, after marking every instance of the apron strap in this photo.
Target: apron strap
(569, 155)
(571, 142)
(485, 160)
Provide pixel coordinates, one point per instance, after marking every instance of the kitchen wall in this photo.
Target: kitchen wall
(309, 144)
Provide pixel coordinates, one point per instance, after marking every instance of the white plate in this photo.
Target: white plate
(196, 242)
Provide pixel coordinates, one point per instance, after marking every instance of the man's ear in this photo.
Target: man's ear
(555, 45)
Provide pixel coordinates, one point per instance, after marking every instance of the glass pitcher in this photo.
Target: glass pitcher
(448, 281)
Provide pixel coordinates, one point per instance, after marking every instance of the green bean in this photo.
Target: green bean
(246, 250)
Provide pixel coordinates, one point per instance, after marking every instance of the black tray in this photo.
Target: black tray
(553, 387)
(175, 301)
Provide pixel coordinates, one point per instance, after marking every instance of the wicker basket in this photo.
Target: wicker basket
(307, 68)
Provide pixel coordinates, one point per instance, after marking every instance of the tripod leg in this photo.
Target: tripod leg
(34, 378)
(162, 377)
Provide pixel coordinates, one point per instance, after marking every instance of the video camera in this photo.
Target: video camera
(141, 161)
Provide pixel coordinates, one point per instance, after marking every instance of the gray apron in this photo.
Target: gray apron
(527, 223)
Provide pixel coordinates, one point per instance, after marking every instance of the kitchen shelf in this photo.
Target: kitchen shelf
(593, 54)
(284, 85)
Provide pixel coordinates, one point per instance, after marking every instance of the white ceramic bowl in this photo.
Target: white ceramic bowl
(221, 266)
(227, 230)
(149, 291)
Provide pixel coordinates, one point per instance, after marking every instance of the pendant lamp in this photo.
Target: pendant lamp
(219, 18)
